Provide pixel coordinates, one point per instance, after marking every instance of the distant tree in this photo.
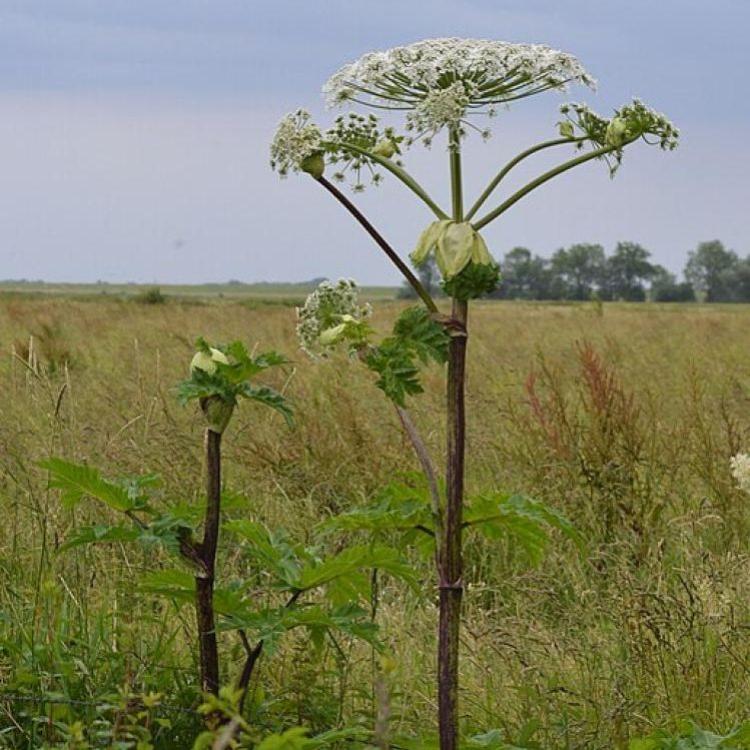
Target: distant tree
(711, 269)
(579, 269)
(525, 276)
(735, 281)
(627, 271)
(666, 288)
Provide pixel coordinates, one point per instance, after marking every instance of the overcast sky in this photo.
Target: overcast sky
(134, 133)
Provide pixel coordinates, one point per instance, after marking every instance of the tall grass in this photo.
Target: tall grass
(625, 421)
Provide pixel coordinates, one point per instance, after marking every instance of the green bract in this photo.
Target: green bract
(566, 129)
(220, 376)
(314, 165)
(455, 245)
(385, 148)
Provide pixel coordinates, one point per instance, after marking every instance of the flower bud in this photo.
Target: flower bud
(616, 132)
(386, 148)
(314, 165)
(207, 362)
(566, 129)
(331, 336)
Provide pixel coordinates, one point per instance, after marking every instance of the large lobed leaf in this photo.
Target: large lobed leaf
(427, 338)
(76, 481)
(695, 738)
(271, 549)
(388, 514)
(351, 563)
(525, 519)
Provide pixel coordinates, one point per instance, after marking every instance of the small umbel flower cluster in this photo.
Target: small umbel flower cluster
(353, 141)
(740, 465)
(331, 314)
(444, 81)
(629, 123)
(297, 145)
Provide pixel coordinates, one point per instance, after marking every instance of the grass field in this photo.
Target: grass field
(623, 417)
(266, 291)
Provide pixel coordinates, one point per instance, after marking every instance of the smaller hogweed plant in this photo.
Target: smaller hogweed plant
(289, 586)
(219, 377)
(442, 87)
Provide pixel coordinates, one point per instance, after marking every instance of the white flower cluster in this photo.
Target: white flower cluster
(444, 80)
(740, 465)
(440, 108)
(629, 122)
(330, 305)
(297, 139)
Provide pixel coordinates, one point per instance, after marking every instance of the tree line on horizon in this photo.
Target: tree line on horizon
(584, 271)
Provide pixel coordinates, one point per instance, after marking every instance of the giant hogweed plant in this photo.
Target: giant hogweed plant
(289, 585)
(442, 87)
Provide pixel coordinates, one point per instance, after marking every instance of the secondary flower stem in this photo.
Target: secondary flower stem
(500, 176)
(428, 469)
(450, 574)
(526, 189)
(415, 283)
(402, 175)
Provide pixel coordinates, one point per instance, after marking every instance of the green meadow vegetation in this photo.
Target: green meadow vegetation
(619, 418)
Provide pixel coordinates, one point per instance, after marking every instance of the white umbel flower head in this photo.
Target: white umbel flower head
(443, 81)
(297, 145)
(328, 313)
(740, 465)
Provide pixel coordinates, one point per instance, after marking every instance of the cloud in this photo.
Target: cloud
(136, 133)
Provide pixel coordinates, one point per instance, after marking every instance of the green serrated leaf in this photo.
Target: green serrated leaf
(271, 398)
(398, 507)
(351, 563)
(423, 335)
(99, 535)
(76, 481)
(272, 550)
(173, 583)
(523, 518)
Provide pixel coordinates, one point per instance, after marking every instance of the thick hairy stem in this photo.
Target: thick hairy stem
(450, 573)
(451, 559)
(204, 580)
(428, 469)
(415, 283)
